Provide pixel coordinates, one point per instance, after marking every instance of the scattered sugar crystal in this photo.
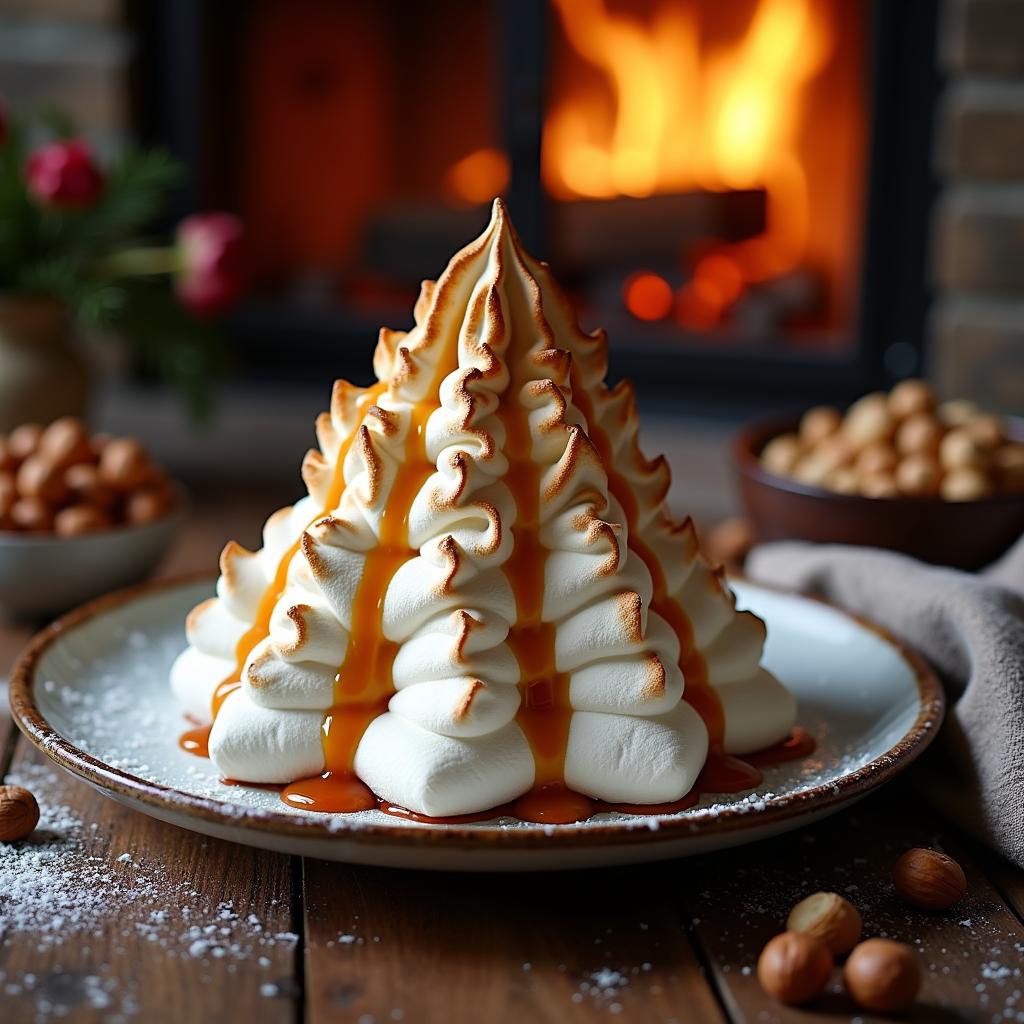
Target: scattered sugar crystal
(56, 888)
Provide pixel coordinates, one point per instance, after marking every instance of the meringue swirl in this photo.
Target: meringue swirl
(386, 626)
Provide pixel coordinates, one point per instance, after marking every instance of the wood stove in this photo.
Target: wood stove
(739, 192)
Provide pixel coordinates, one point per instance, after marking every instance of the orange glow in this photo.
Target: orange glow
(723, 270)
(478, 177)
(647, 296)
(660, 104)
(700, 305)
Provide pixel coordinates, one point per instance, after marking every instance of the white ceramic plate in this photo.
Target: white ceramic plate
(91, 692)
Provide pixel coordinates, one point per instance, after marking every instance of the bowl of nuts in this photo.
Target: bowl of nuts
(79, 515)
(940, 482)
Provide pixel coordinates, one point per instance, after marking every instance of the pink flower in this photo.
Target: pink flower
(64, 175)
(212, 270)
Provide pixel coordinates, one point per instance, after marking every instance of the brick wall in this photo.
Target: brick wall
(977, 324)
(72, 54)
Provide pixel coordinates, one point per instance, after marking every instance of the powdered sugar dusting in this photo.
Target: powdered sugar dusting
(57, 889)
(106, 689)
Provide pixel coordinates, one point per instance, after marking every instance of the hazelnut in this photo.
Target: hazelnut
(781, 453)
(918, 476)
(876, 458)
(965, 483)
(910, 397)
(39, 478)
(958, 448)
(818, 423)
(19, 813)
(123, 464)
(811, 471)
(869, 420)
(843, 480)
(928, 879)
(827, 917)
(794, 968)
(882, 975)
(833, 452)
(75, 520)
(32, 514)
(146, 505)
(1008, 464)
(86, 487)
(879, 485)
(920, 433)
(24, 440)
(986, 431)
(65, 442)
(956, 412)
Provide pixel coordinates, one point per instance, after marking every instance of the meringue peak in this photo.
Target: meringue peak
(482, 592)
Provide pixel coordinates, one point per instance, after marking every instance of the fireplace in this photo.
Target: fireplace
(738, 192)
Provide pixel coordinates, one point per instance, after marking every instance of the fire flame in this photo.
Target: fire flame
(686, 116)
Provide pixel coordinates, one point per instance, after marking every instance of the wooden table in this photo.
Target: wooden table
(193, 929)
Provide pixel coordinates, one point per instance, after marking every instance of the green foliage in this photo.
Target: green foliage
(83, 258)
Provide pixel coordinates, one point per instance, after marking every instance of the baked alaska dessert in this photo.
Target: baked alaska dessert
(482, 600)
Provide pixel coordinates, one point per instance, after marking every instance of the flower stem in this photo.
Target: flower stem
(142, 262)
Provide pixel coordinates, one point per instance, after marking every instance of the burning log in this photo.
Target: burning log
(599, 234)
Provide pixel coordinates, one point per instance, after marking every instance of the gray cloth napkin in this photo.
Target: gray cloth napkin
(970, 627)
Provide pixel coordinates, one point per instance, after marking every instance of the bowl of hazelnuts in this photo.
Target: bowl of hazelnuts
(79, 515)
(943, 482)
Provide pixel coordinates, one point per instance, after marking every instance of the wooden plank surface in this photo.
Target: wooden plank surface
(175, 927)
(578, 946)
(971, 956)
(131, 918)
(188, 928)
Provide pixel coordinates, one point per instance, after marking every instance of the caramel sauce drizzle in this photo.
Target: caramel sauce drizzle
(363, 684)
(545, 713)
(195, 741)
(722, 773)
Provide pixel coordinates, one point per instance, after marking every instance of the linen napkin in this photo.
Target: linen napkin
(970, 627)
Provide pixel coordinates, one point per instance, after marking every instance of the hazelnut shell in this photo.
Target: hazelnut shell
(24, 440)
(40, 478)
(828, 917)
(929, 880)
(19, 813)
(32, 515)
(76, 520)
(794, 968)
(65, 442)
(882, 975)
(818, 423)
(910, 397)
(124, 465)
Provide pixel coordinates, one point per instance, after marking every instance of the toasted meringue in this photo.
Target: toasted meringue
(482, 592)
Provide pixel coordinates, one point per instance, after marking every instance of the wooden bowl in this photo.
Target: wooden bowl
(962, 534)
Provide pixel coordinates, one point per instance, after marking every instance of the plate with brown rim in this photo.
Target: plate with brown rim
(91, 693)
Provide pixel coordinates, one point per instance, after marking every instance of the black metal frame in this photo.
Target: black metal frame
(175, 36)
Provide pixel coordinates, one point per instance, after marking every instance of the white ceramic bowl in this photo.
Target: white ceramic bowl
(41, 574)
